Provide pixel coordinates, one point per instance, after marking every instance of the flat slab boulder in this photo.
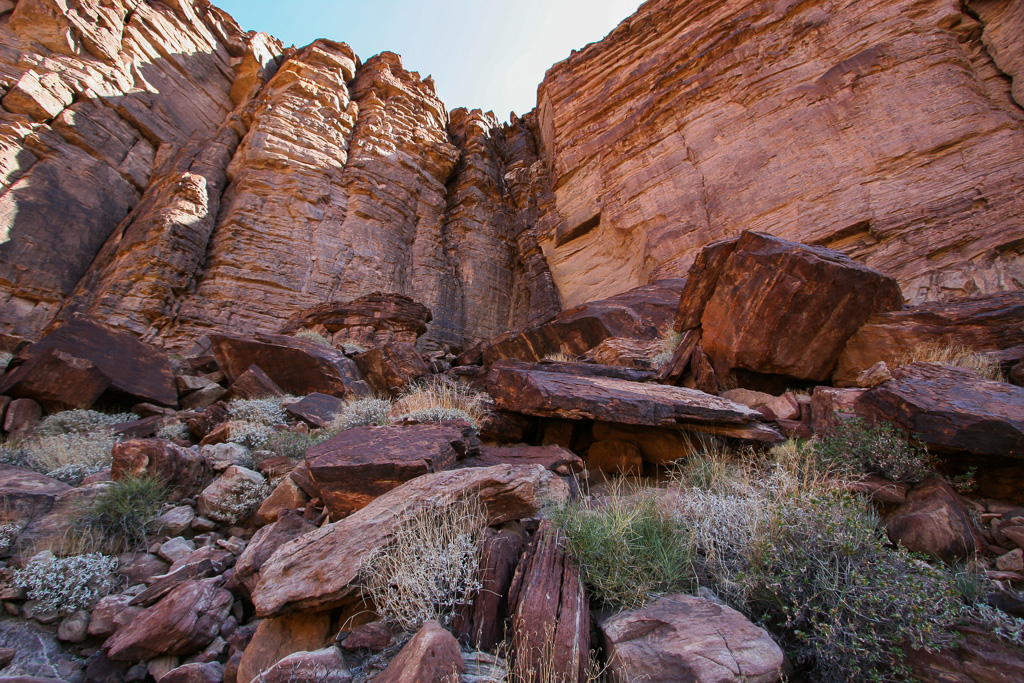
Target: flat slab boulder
(518, 387)
(56, 380)
(684, 638)
(951, 409)
(317, 410)
(319, 570)
(783, 308)
(184, 471)
(643, 313)
(25, 495)
(134, 368)
(986, 323)
(555, 458)
(391, 368)
(363, 463)
(297, 366)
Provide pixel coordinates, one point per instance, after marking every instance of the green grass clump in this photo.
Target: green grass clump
(881, 449)
(293, 445)
(122, 516)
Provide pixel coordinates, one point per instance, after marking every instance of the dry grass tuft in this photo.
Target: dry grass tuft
(954, 354)
(559, 357)
(440, 395)
(313, 336)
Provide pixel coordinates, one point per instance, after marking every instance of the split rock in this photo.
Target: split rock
(432, 656)
(934, 520)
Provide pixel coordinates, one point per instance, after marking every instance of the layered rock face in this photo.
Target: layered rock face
(889, 130)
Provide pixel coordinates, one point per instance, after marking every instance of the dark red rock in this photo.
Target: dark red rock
(951, 409)
(320, 666)
(676, 367)
(254, 383)
(56, 380)
(550, 609)
(782, 308)
(432, 656)
(828, 405)
(361, 464)
(134, 368)
(701, 281)
(204, 563)
(185, 621)
(978, 657)
(280, 637)
(391, 368)
(196, 672)
(184, 471)
(637, 354)
(22, 415)
(296, 365)
(934, 520)
(268, 539)
(208, 420)
(26, 495)
(139, 429)
(642, 313)
(374, 637)
(316, 410)
(498, 558)
(555, 458)
(372, 320)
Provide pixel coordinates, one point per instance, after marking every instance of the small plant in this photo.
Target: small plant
(953, 354)
(240, 502)
(442, 393)
(66, 585)
(534, 658)
(70, 457)
(8, 532)
(122, 516)
(176, 431)
(671, 343)
(431, 567)
(880, 449)
(438, 414)
(313, 336)
(629, 550)
(559, 357)
(293, 445)
(252, 435)
(79, 422)
(362, 413)
(260, 411)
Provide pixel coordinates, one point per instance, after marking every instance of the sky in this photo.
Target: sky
(483, 54)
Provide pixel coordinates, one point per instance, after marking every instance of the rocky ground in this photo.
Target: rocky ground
(331, 504)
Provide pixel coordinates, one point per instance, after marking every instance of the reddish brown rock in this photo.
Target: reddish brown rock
(25, 495)
(987, 323)
(278, 637)
(211, 418)
(375, 637)
(643, 313)
(319, 570)
(21, 417)
(550, 609)
(369, 321)
(111, 613)
(977, 658)
(935, 521)
(391, 368)
(195, 672)
(555, 458)
(254, 383)
(701, 281)
(184, 471)
(287, 495)
(616, 457)
(682, 635)
(629, 353)
(288, 526)
(782, 308)
(322, 666)
(317, 410)
(498, 558)
(829, 405)
(296, 365)
(432, 656)
(185, 621)
(358, 465)
(951, 409)
(57, 381)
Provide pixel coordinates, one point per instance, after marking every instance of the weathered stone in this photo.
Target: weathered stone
(322, 666)
(26, 495)
(285, 497)
(432, 656)
(211, 418)
(952, 409)
(254, 383)
(555, 458)
(201, 564)
(279, 637)
(74, 628)
(829, 405)
(369, 321)
(374, 637)
(391, 368)
(978, 658)
(216, 501)
(316, 409)
(783, 407)
(881, 491)
(358, 465)
(630, 353)
(111, 613)
(685, 637)
(184, 471)
(935, 521)
(196, 672)
(657, 446)
(615, 457)
(296, 365)
(175, 521)
(185, 621)
(56, 380)
(268, 539)
(22, 415)
(550, 610)
(318, 570)
(701, 282)
(223, 455)
(498, 558)
(986, 323)
(141, 567)
(176, 549)
(52, 529)
(37, 653)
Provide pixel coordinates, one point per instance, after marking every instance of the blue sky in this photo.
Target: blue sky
(483, 54)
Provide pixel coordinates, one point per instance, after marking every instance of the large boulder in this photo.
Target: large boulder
(320, 666)
(56, 380)
(951, 409)
(26, 495)
(432, 656)
(984, 323)
(935, 520)
(643, 313)
(533, 390)
(184, 471)
(782, 308)
(265, 542)
(319, 570)
(183, 622)
(318, 410)
(135, 369)
(555, 458)
(297, 366)
(360, 464)
(685, 638)
(279, 637)
(550, 609)
(389, 369)
(372, 320)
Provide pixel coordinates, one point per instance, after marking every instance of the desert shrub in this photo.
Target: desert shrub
(5, 359)
(293, 445)
(845, 603)
(252, 435)
(240, 502)
(69, 457)
(628, 548)
(362, 413)
(8, 532)
(670, 343)
(259, 411)
(881, 449)
(559, 357)
(122, 516)
(313, 336)
(79, 422)
(442, 393)
(437, 414)
(175, 431)
(430, 568)
(68, 584)
(953, 354)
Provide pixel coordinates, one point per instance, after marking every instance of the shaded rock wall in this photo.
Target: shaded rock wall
(886, 129)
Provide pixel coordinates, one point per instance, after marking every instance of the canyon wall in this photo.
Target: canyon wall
(166, 172)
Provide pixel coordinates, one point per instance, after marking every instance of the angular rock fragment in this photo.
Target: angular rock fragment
(278, 637)
(26, 495)
(432, 656)
(264, 543)
(21, 417)
(254, 383)
(184, 471)
(555, 458)
(934, 520)
(391, 368)
(320, 666)
(56, 380)
(372, 320)
(317, 410)
(498, 558)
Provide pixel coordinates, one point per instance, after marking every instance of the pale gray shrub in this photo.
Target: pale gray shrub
(79, 421)
(438, 414)
(361, 413)
(68, 584)
(261, 411)
(241, 501)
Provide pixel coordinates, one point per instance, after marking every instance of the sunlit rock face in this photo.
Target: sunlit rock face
(166, 172)
(892, 131)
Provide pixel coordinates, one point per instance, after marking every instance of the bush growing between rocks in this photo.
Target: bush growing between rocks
(364, 412)
(79, 422)
(176, 431)
(293, 445)
(440, 396)
(68, 457)
(859, 448)
(240, 502)
(953, 354)
(559, 357)
(671, 343)
(438, 414)
(313, 336)
(68, 584)
(259, 411)
(430, 568)
(122, 516)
